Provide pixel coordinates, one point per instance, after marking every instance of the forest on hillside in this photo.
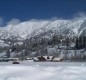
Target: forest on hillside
(70, 47)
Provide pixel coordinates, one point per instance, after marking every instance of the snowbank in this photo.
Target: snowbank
(43, 71)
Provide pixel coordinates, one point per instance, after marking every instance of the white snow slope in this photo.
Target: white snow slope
(43, 71)
(31, 28)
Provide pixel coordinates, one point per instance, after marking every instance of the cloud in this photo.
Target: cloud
(82, 14)
(79, 15)
(50, 19)
(14, 21)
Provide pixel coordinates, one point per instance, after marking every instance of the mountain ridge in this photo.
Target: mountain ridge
(32, 28)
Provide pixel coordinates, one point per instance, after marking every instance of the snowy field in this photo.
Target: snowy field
(43, 71)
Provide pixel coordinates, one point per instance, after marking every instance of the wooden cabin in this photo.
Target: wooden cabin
(47, 59)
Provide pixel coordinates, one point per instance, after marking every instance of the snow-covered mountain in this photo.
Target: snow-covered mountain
(45, 28)
(16, 36)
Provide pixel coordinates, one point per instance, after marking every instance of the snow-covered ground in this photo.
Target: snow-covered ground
(43, 71)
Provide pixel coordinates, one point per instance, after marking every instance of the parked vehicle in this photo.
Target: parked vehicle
(15, 62)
